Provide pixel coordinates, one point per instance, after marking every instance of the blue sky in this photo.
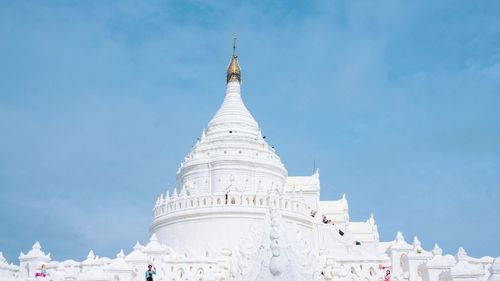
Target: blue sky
(397, 103)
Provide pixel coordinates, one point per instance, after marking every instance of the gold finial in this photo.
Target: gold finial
(233, 71)
(234, 44)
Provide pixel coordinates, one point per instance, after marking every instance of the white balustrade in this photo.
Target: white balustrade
(247, 200)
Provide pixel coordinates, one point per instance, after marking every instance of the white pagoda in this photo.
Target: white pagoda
(236, 215)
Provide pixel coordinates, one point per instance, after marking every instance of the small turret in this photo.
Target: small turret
(344, 202)
(416, 242)
(436, 250)
(120, 255)
(461, 255)
(137, 246)
(316, 173)
(400, 243)
(371, 220)
(30, 261)
(91, 255)
(400, 237)
(417, 245)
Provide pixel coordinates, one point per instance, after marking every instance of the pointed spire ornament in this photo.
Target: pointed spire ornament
(416, 242)
(344, 202)
(316, 173)
(137, 246)
(461, 254)
(153, 238)
(371, 220)
(436, 250)
(233, 70)
(120, 255)
(400, 237)
(417, 245)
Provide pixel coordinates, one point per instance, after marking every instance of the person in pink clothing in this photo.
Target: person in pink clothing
(42, 273)
(387, 275)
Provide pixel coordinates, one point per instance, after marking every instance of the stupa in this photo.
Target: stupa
(236, 215)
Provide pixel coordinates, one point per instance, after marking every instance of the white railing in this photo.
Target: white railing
(167, 206)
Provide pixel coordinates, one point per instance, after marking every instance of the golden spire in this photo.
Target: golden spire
(233, 71)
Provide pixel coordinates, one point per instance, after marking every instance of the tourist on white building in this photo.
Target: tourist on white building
(42, 273)
(387, 275)
(149, 273)
(313, 213)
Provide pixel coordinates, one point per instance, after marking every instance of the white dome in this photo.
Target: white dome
(231, 155)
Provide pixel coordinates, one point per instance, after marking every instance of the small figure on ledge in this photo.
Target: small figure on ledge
(42, 273)
(149, 273)
(387, 275)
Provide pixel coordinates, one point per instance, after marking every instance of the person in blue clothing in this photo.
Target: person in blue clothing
(149, 273)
